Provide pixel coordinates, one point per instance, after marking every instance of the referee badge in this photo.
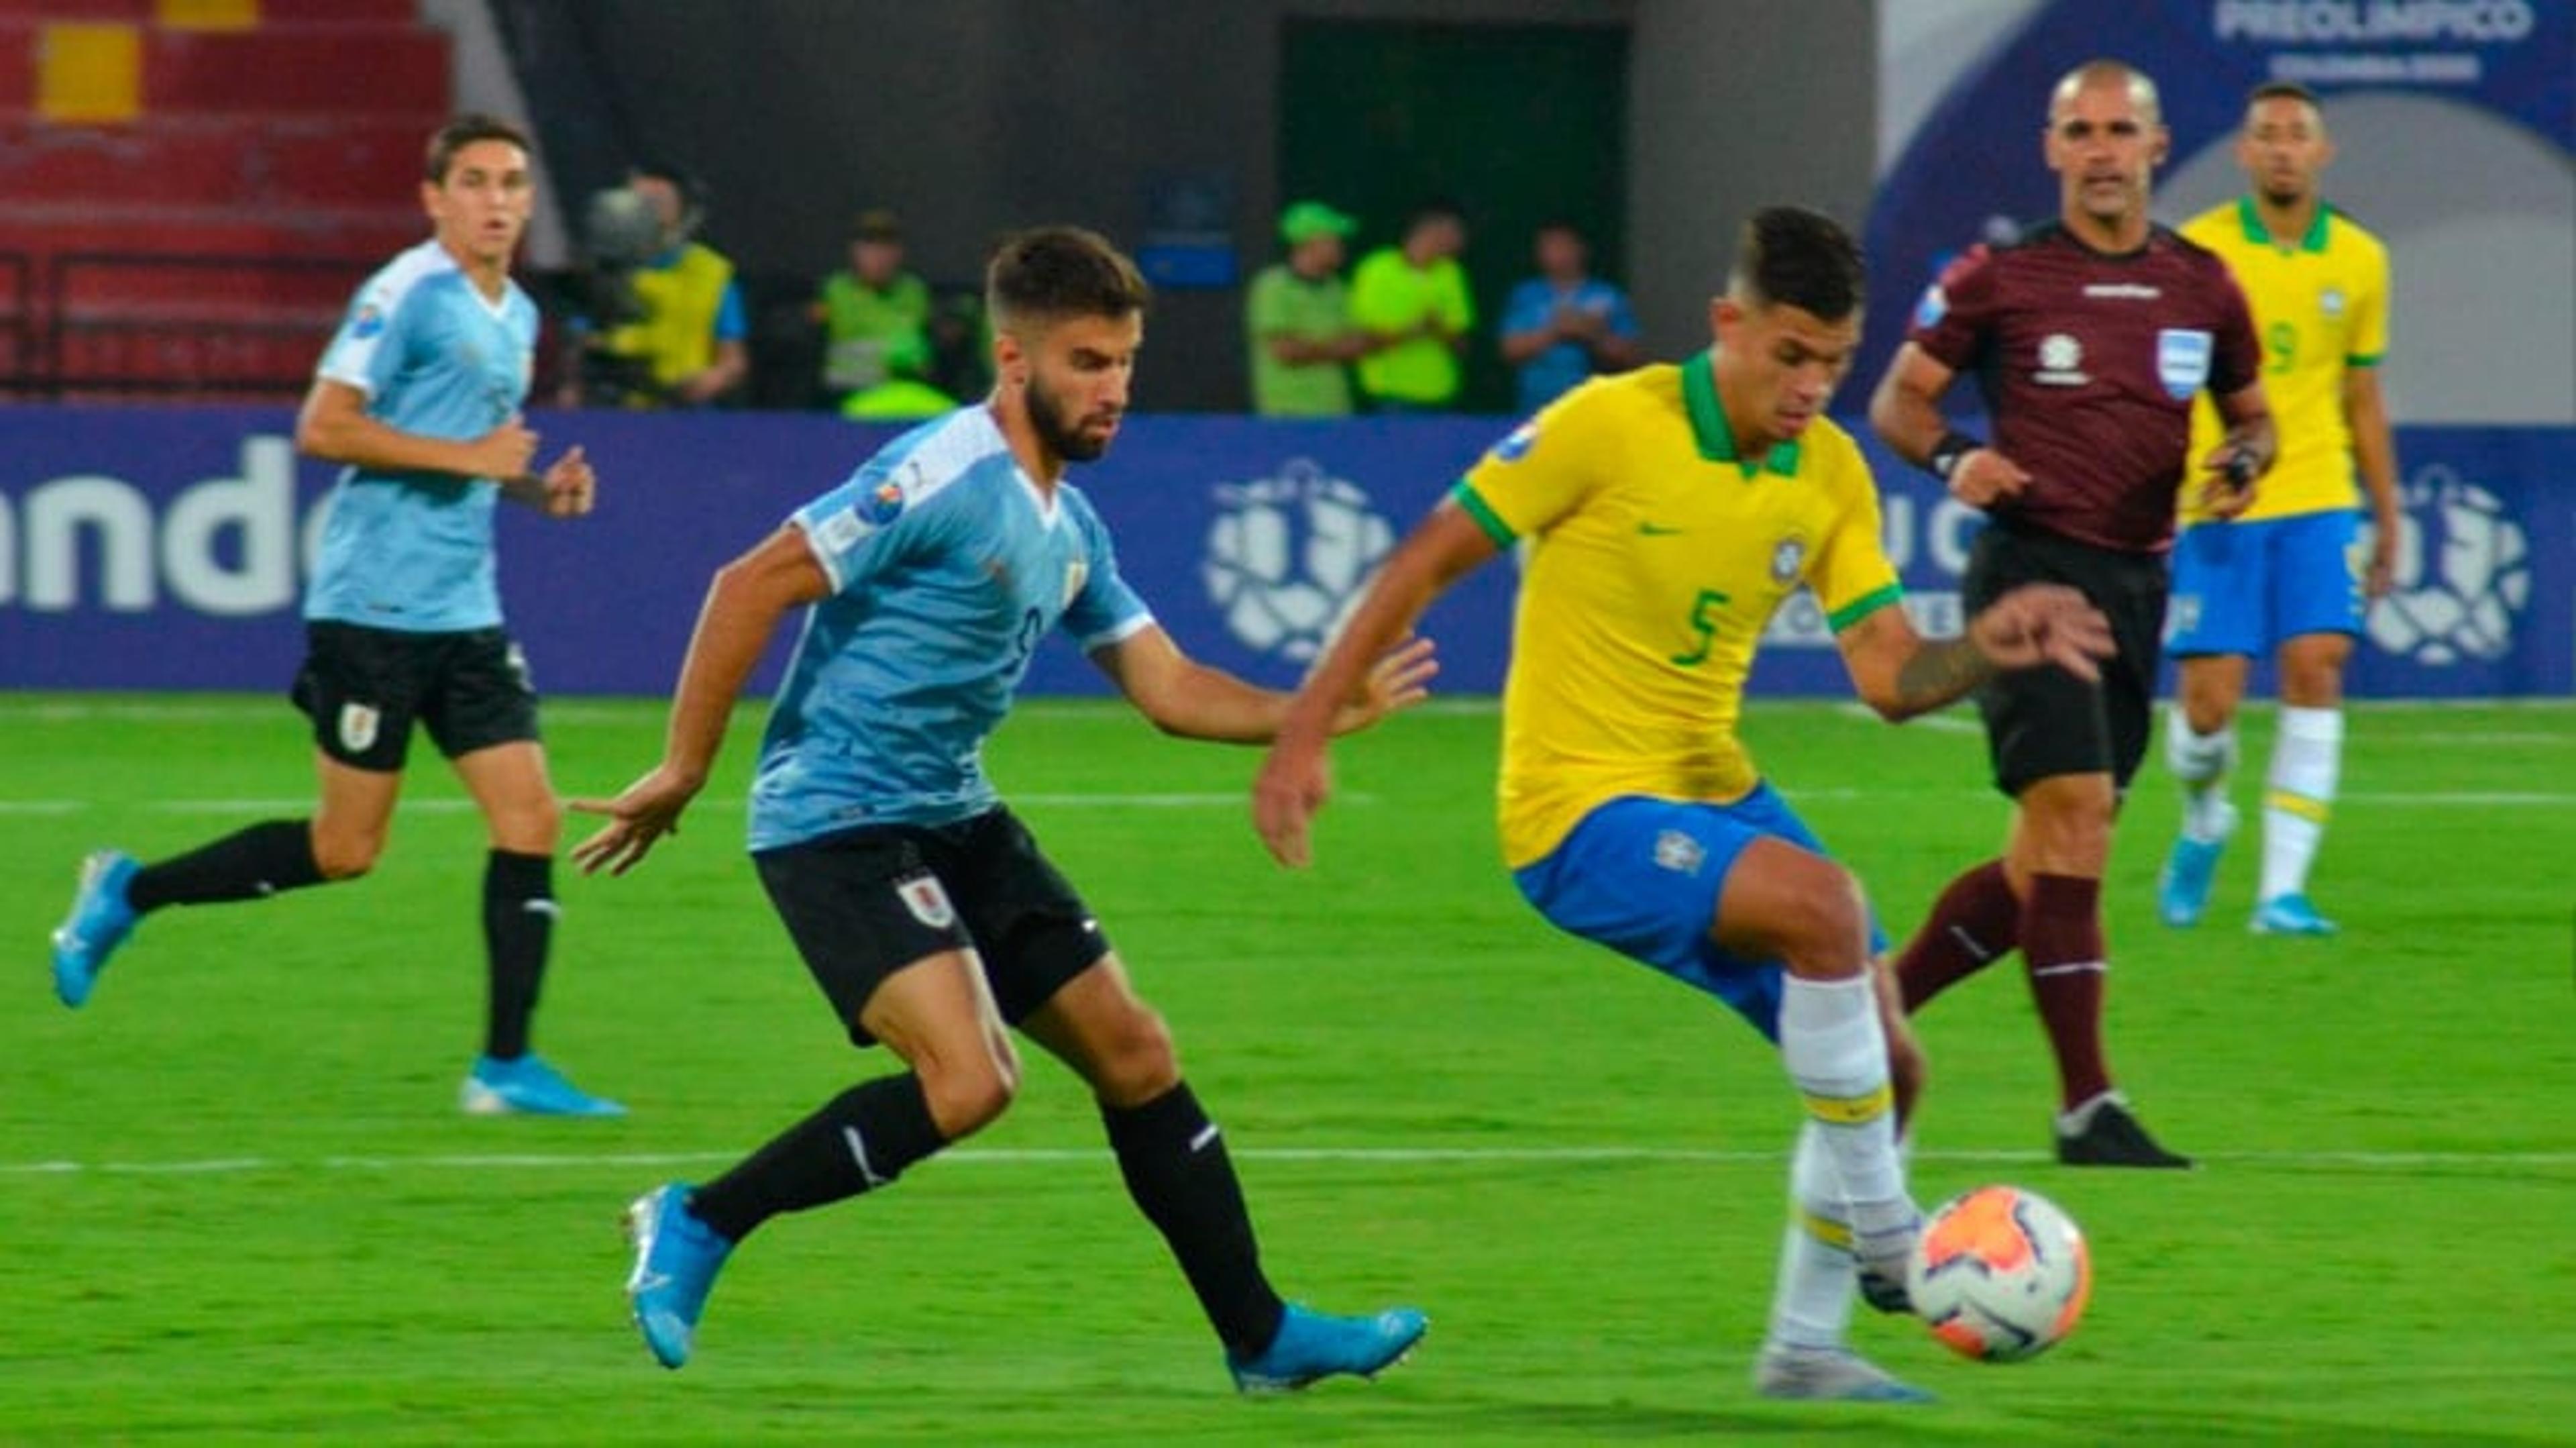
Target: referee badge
(2182, 361)
(358, 727)
(927, 902)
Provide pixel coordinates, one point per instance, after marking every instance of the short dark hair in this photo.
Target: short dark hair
(2282, 90)
(464, 131)
(1803, 258)
(1049, 272)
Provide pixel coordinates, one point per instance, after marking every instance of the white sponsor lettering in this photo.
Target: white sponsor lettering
(225, 546)
(2344, 22)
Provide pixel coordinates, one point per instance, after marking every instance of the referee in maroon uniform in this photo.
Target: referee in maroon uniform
(2089, 338)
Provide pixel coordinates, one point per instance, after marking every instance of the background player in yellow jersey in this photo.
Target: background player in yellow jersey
(2283, 577)
(1673, 509)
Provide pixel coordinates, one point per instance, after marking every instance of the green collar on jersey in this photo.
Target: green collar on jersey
(2315, 240)
(1708, 425)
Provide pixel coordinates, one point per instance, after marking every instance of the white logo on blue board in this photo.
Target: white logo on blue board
(2463, 574)
(1287, 555)
(2182, 361)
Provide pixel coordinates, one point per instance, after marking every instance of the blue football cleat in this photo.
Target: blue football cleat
(1828, 1375)
(99, 922)
(527, 1087)
(1312, 1346)
(2290, 915)
(676, 1261)
(2182, 891)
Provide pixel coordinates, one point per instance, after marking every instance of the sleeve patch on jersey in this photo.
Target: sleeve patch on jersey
(1934, 306)
(2182, 361)
(369, 322)
(1863, 606)
(881, 505)
(1485, 516)
(1516, 445)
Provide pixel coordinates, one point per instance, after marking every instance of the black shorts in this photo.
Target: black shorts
(363, 687)
(2045, 721)
(864, 903)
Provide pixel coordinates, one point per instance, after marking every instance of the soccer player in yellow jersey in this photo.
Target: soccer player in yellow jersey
(1672, 510)
(2286, 576)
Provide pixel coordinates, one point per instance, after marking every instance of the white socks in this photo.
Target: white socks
(2307, 760)
(2202, 762)
(1831, 1041)
(1812, 1303)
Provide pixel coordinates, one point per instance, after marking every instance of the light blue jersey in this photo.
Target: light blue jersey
(947, 567)
(413, 550)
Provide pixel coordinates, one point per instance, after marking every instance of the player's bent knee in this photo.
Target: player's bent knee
(1143, 1063)
(345, 859)
(968, 1096)
(1823, 933)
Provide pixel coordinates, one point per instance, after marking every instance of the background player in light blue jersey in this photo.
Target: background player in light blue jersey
(923, 908)
(419, 396)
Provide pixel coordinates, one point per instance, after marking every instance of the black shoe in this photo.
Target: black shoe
(2114, 1138)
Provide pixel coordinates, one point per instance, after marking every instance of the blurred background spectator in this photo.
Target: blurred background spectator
(875, 314)
(1413, 295)
(1297, 319)
(1565, 324)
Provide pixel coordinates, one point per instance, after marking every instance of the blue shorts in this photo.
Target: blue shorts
(1643, 876)
(2242, 588)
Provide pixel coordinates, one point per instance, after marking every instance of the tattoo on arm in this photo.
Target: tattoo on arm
(1940, 672)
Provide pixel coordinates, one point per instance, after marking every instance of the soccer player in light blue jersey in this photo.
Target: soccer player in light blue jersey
(418, 396)
(922, 906)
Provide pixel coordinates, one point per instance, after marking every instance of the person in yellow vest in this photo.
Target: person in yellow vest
(2290, 576)
(689, 343)
(1414, 294)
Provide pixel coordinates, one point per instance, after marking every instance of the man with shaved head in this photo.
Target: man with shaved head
(2090, 338)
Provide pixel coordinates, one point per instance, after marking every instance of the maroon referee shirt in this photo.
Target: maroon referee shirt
(2089, 361)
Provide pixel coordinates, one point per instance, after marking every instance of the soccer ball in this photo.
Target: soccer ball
(2001, 1274)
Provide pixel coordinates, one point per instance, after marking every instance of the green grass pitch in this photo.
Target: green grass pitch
(237, 1203)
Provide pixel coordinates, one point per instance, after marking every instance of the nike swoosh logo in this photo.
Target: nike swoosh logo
(1657, 530)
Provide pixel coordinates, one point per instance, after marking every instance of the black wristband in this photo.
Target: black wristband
(1944, 459)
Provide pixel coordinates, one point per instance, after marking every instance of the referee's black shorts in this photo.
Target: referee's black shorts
(2045, 721)
(863, 903)
(365, 687)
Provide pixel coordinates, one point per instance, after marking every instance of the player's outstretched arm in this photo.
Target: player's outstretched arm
(1294, 781)
(1191, 700)
(742, 610)
(1899, 673)
(334, 426)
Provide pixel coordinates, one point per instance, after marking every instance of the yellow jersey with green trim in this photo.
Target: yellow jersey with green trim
(1657, 556)
(2321, 306)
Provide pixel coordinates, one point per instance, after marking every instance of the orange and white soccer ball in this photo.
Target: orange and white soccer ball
(2001, 1274)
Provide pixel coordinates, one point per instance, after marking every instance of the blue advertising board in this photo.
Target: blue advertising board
(165, 548)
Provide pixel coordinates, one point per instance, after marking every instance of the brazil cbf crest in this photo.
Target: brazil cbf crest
(1787, 557)
(2182, 361)
(1287, 554)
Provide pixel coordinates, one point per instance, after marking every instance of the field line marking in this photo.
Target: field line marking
(1388, 1155)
